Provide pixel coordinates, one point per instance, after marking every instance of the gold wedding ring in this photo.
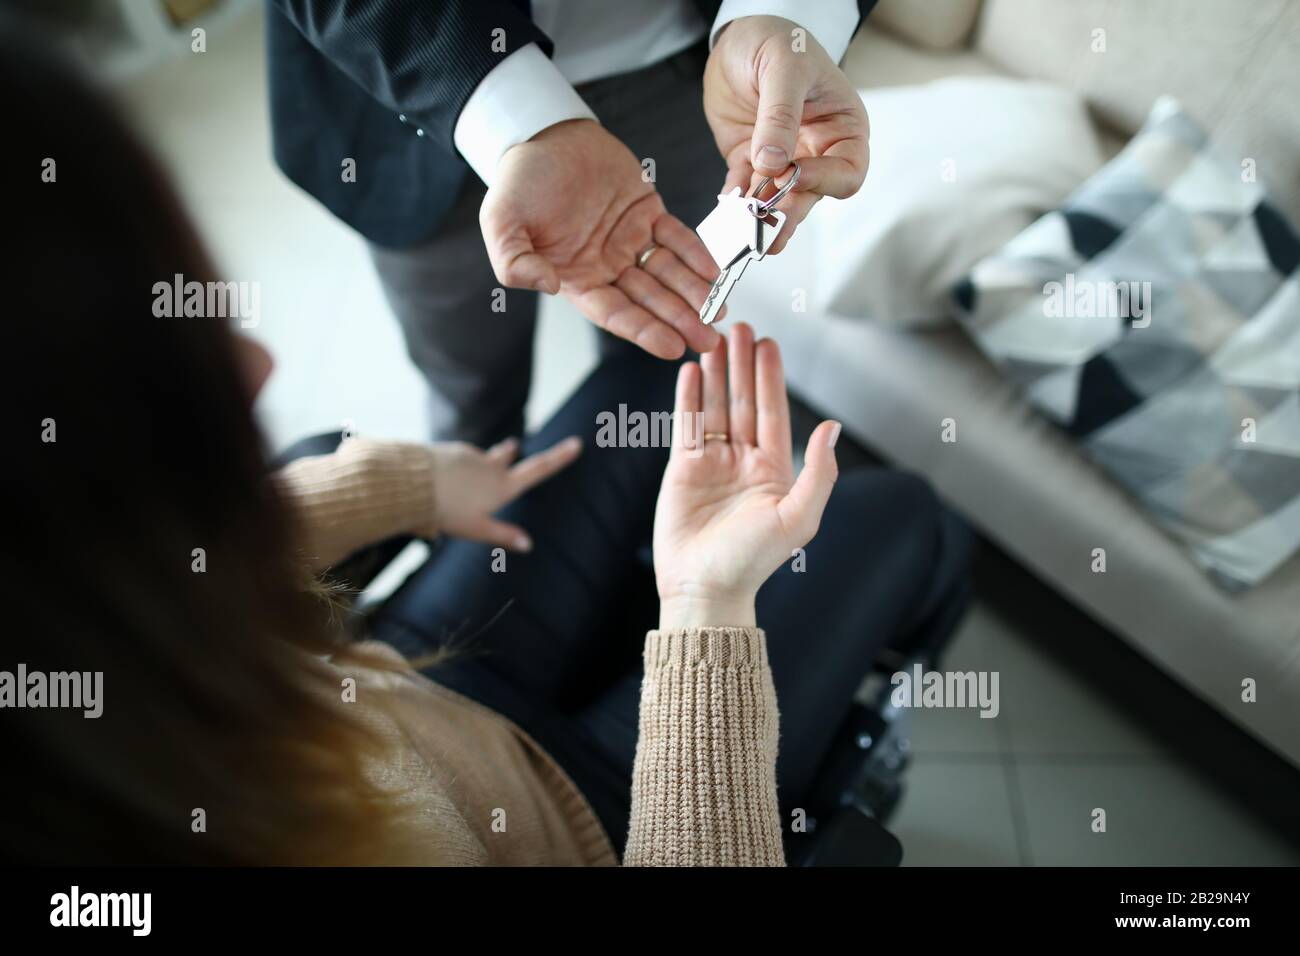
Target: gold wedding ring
(720, 436)
(645, 255)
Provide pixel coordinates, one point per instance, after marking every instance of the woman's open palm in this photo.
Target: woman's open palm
(730, 510)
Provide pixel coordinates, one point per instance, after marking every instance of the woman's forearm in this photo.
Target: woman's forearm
(361, 494)
(698, 610)
(704, 780)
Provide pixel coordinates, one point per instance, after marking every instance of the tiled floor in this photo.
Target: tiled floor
(1018, 789)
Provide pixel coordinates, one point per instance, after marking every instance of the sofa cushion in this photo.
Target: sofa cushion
(959, 166)
(1156, 317)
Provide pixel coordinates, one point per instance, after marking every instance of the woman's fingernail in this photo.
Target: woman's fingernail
(773, 157)
(835, 435)
(524, 543)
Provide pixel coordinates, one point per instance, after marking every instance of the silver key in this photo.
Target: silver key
(721, 288)
(739, 231)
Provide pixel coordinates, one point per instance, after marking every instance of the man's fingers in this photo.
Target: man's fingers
(647, 291)
(516, 265)
(773, 406)
(656, 298)
(528, 270)
(500, 533)
(740, 174)
(781, 92)
(839, 172)
(801, 509)
(536, 468)
(796, 206)
(740, 376)
(610, 308)
(683, 241)
(664, 265)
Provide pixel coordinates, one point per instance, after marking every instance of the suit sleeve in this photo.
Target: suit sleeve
(423, 58)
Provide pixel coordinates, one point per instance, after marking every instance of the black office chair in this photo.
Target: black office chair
(859, 783)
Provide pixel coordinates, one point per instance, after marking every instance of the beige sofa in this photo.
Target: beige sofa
(1235, 67)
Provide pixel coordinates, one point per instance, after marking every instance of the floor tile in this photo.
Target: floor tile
(938, 732)
(1157, 814)
(1047, 710)
(956, 814)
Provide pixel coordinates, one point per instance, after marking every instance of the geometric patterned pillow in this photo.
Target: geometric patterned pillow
(1156, 318)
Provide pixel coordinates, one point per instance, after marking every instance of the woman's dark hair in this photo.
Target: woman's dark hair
(141, 537)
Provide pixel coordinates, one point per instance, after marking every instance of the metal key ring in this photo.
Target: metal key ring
(765, 204)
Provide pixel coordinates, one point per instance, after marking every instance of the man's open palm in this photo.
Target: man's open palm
(570, 212)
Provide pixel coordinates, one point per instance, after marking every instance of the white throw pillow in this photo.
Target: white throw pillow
(958, 168)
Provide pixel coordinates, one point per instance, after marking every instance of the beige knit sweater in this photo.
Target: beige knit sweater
(703, 783)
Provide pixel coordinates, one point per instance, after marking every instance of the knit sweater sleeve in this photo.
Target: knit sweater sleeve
(704, 780)
(364, 492)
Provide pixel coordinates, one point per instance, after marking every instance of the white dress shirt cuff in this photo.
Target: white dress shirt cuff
(523, 95)
(832, 22)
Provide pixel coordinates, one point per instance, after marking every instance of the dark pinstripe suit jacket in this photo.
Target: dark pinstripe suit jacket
(382, 82)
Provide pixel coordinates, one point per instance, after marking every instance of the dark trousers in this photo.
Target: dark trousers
(553, 641)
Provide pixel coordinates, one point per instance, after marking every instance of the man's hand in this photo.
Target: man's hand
(570, 212)
(769, 105)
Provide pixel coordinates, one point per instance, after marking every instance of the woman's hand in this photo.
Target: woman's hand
(730, 512)
(470, 484)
